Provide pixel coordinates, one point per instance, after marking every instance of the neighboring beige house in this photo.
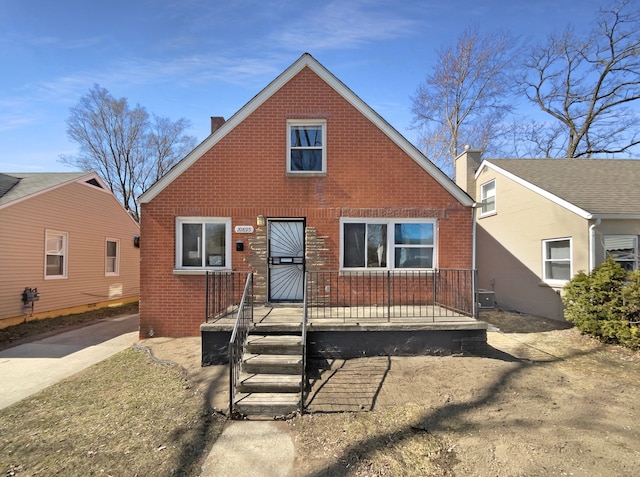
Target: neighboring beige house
(66, 235)
(541, 221)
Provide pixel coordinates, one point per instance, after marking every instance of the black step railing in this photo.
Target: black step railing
(303, 339)
(224, 290)
(244, 320)
(390, 294)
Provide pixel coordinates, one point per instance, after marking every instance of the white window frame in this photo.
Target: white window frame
(307, 122)
(634, 239)
(203, 220)
(546, 259)
(391, 245)
(63, 252)
(484, 196)
(116, 264)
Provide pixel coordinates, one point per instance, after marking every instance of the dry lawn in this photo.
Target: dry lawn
(126, 416)
(544, 400)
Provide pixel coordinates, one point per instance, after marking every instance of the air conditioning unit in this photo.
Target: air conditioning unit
(486, 299)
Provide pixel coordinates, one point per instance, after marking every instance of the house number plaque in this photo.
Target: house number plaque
(244, 229)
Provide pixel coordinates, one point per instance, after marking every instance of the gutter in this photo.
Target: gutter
(592, 242)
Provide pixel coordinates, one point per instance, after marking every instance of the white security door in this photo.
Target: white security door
(286, 260)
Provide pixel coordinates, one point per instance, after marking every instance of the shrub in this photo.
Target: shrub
(605, 304)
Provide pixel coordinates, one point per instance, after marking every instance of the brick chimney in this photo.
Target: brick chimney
(216, 122)
(467, 164)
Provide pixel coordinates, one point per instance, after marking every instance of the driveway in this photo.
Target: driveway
(28, 368)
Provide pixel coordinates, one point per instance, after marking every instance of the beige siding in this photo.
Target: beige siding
(89, 216)
(509, 246)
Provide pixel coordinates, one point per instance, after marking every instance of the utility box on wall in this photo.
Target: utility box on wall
(486, 299)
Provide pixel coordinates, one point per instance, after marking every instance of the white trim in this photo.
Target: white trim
(307, 122)
(391, 245)
(306, 60)
(64, 254)
(538, 190)
(202, 220)
(116, 272)
(552, 281)
(483, 197)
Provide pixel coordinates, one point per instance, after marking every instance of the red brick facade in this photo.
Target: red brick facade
(244, 175)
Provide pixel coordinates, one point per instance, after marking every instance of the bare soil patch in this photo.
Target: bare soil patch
(550, 402)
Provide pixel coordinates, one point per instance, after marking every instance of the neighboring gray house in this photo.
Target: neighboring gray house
(540, 221)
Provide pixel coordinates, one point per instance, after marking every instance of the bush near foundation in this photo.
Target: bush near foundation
(605, 304)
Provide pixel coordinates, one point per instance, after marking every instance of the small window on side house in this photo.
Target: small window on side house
(623, 249)
(112, 262)
(556, 260)
(56, 244)
(488, 198)
(306, 147)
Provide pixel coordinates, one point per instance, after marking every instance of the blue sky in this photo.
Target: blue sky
(200, 58)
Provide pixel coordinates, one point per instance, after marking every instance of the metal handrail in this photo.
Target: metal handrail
(303, 386)
(390, 294)
(238, 339)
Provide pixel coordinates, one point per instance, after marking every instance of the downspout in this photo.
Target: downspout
(592, 243)
(473, 263)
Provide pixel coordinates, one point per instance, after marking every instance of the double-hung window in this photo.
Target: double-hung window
(623, 249)
(111, 260)
(56, 244)
(306, 146)
(203, 243)
(388, 244)
(556, 258)
(488, 198)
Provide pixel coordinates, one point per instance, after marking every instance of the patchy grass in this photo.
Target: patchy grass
(32, 329)
(390, 441)
(127, 415)
(510, 322)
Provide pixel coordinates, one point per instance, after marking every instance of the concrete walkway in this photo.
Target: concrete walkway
(28, 368)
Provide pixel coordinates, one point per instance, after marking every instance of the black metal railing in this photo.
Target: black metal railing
(390, 294)
(303, 382)
(238, 338)
(223, 293)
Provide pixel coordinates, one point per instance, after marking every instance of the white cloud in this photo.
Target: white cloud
(341, 24)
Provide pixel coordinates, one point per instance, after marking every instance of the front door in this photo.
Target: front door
(286, 260)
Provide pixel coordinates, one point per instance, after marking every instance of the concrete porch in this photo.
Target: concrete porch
(348, 332)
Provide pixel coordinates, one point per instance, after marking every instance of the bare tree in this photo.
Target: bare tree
(121, 144)
(588, 85)
(466, 97)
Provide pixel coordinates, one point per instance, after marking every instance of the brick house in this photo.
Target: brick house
(305, 176)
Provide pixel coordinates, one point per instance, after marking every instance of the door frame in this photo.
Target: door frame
(274, 261)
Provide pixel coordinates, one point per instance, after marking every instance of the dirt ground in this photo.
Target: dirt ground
(544, 400)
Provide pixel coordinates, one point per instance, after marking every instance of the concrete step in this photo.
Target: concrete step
(272, 363)
(269, 383)
(267, 404)
(274, 344)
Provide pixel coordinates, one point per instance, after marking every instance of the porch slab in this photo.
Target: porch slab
(348, 336)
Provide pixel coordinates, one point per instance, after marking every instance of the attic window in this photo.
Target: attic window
(306, 146)
(94, 182)
(488, 198)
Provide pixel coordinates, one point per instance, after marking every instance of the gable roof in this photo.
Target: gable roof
(589, 187)
(307, 61)
(15, 187)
